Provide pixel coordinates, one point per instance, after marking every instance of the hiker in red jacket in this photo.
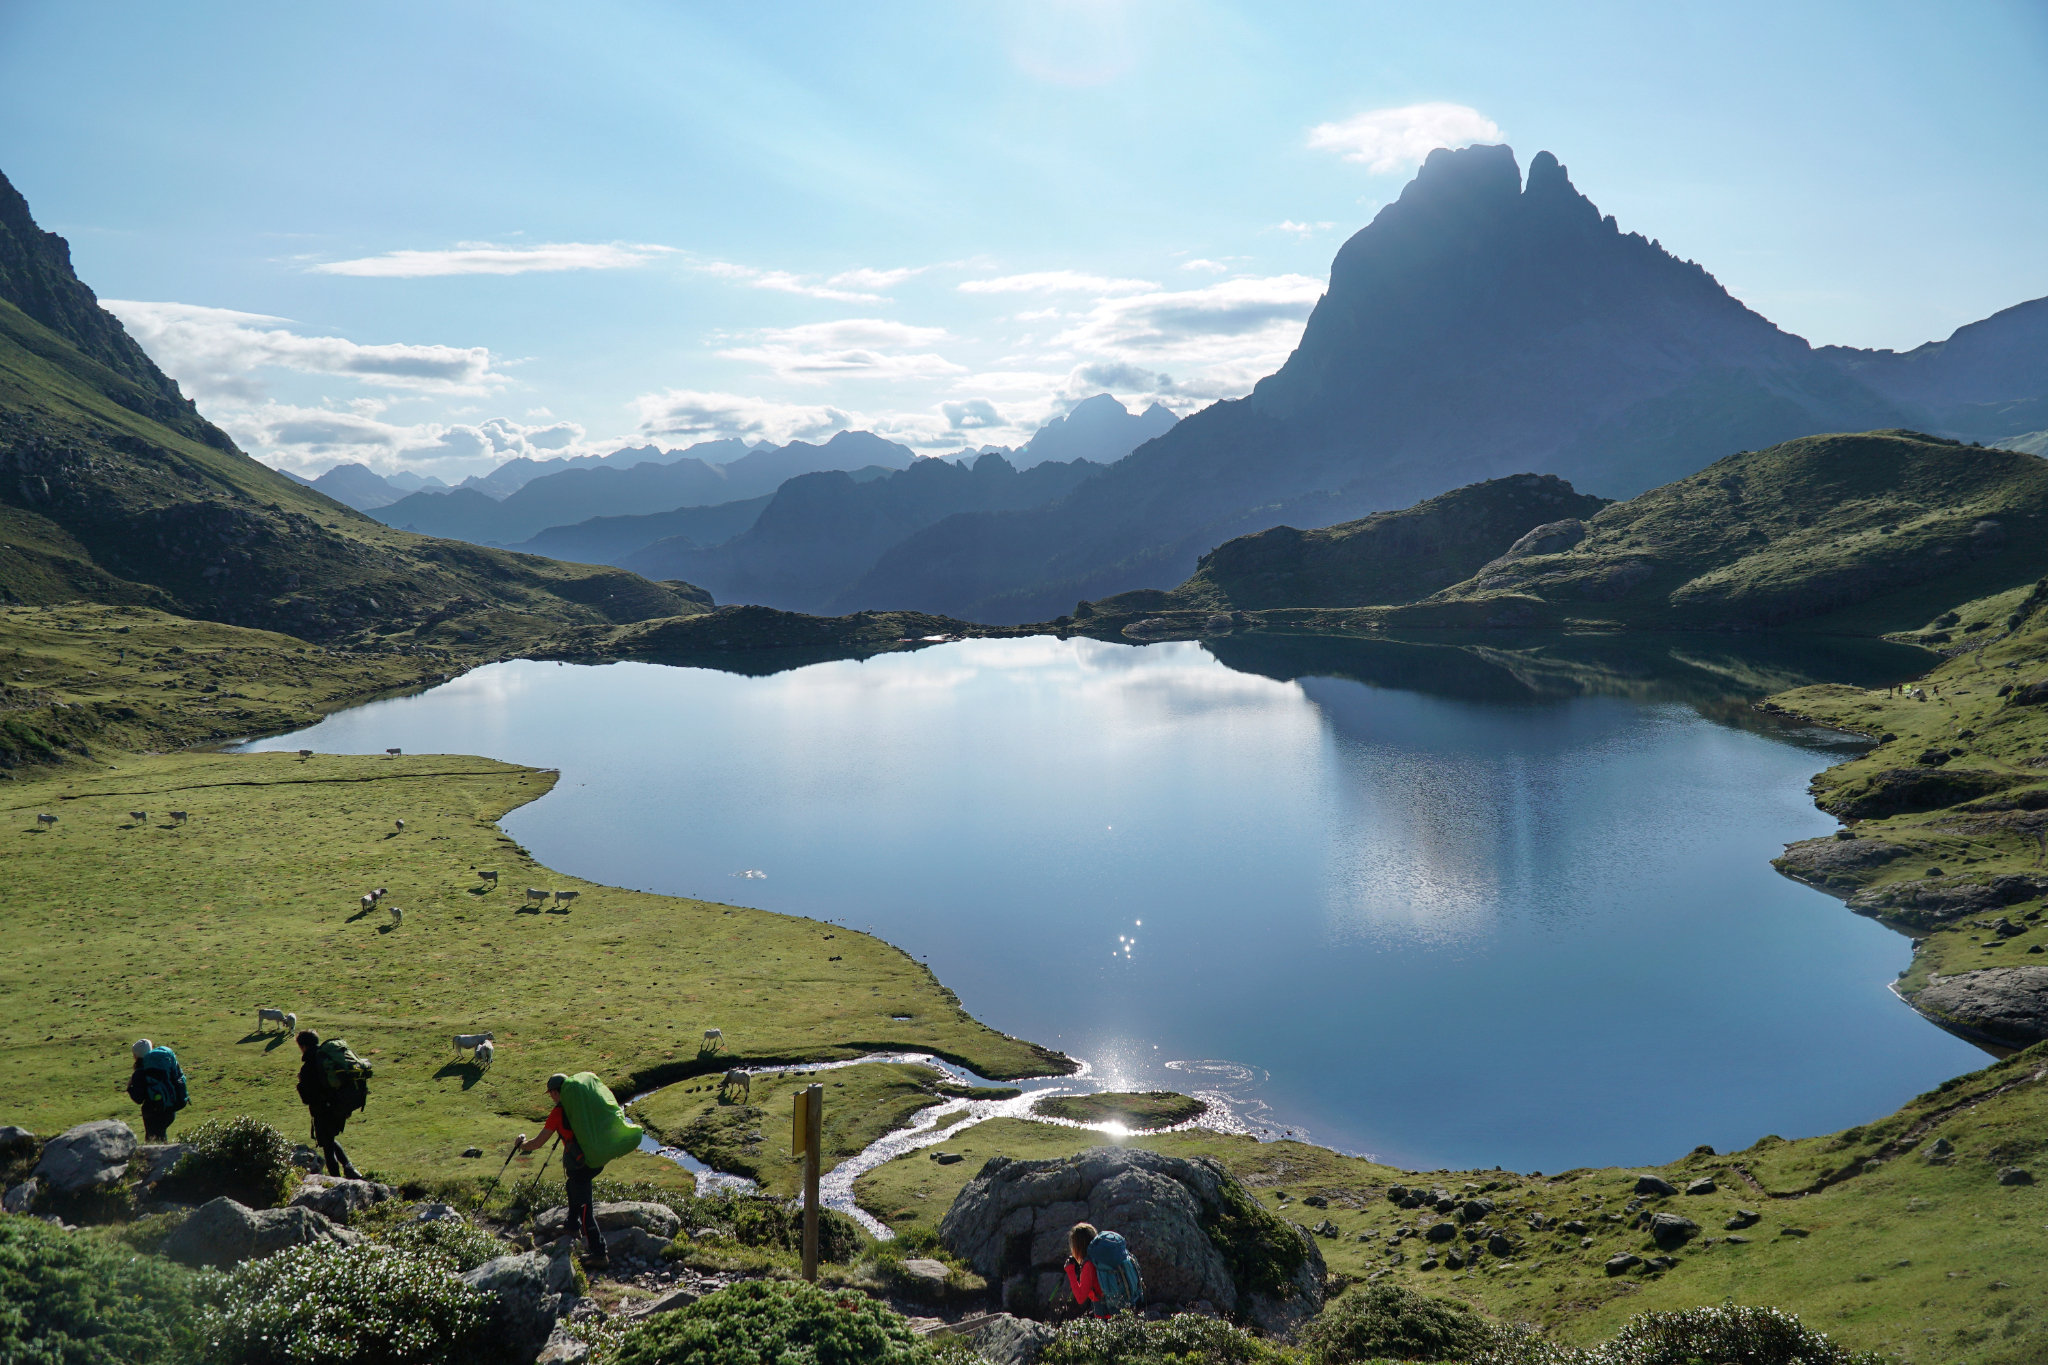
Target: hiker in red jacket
(576, 1172)
(1081, 1277)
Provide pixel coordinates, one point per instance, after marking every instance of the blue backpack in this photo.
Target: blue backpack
(165, 1078)
(1116, 1271)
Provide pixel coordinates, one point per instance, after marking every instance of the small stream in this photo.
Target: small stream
(1230, 1111)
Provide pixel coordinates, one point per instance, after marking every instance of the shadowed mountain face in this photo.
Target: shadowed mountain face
(113, 489)
(1479, 326)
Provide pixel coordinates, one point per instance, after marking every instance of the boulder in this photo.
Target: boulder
(1440, 1232)
(1654, 1184)
(1625, 1261)
(1743, 1218)
(435, 1213)
(90, 1155)
(924, 1268)
(635, 1244)
(1670, 1231)
(563, 1348)
(2013, 1175)
(1326, 1228)
(158, 1159)
(1009, 1340)
(2003, 1005)
(1473, 1210)
(1704, 1185)
(529, 1292)
(657, 1219)
(19, 1197)
(221, 1232)
(1577, 1228)
(1500, 1245)
(16, 1142)
(340, 1200)
(1196, 1232)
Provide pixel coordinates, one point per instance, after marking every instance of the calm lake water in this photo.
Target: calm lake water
(1446, 908)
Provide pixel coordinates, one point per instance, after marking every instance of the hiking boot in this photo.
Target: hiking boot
(349, 1172)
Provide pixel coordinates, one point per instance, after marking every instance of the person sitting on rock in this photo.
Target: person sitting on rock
(1101, 1272)
(158, 1085)
(577, 1174)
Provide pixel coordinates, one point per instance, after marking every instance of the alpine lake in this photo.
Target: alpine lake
(1446, 904)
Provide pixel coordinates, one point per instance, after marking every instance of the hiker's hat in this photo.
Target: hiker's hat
(141, 1048)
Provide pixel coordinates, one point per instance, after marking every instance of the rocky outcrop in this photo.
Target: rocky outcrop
(1836, 863)
(529, 1292)
(1199, 1238)
(86, 1157)
(1926, 902)
(658, 1220)
(2007, 1006)
(1006, 1339)
(221, 1233)
(1899, 791)
(340, 1200)
(16, 1142)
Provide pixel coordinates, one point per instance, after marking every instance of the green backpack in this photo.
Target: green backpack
(603, 1132)
(165, 1078)
(348, 1075)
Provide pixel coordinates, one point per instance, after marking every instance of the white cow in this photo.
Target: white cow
(534, 893)
(284, 1019)
(465, 1042)
(397, 915)
(714, 1039)
(46, 820)
(490, 877)
(564, 897)
(484, 1053)
(179, 817)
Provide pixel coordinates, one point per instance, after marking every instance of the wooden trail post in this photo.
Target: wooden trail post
(807, 1136)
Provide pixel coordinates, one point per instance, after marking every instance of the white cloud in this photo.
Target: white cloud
(866, 348)
(1221, 339)
(1202, 263)
(298, 437)
(848, 286)
(216, 352)
(699, 416)
(1054, 282)
(973, 414)
(867, 278)
(1302, 229)
(485, 258)
(1387, 140)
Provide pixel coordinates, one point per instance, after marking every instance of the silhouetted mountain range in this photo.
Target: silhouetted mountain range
(1478, 326)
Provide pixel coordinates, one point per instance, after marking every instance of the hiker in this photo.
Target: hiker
(158, 1085)
(334, 1083)
(594, 1130)
(1102, 1273)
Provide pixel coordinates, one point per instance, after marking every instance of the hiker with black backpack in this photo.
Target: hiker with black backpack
(594, 1130)
(1102, 1273)
(158, 1085)
(334, 1083)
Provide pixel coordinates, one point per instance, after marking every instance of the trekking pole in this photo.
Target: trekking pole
(534, 1183)
(492, 1187)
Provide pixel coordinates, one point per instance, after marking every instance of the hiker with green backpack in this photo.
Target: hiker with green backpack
(594, 1130)
(334, 1083)
(158, 1085)
(1102, 1273)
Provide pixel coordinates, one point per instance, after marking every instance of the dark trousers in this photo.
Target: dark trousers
(578, 1178)
(156, 1121)
(326, 1136)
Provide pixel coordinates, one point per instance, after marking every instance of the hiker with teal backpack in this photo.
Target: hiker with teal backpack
(1102, 1272)
(334, 1083)
(158, 1085)
(594, 1130)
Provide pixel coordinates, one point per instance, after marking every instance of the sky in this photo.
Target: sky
(434, 236)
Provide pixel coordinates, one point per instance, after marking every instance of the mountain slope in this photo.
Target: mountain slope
(609, 540)
(113, 489)
(1100, 430)
(1478, 326)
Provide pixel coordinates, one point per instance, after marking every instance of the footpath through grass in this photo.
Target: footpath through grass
(118, 929)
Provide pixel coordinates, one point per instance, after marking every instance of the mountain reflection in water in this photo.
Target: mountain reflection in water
(1469, 902)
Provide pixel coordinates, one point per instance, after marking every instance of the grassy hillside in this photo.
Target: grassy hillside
(119, 929)
(1386, 557)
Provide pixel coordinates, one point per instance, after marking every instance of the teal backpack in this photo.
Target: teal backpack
(1116, 1271)
(165, 1078)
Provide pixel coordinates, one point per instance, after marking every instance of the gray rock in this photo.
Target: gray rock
(306, 1159)
(635, 1244)
(90, 1155)
(16, 1142)
(221, 1233)
(2004, 1005)
(1010, 1340)
(1315, 1201)
(1441, 1232)
(1704, 1185)
(932, 1273)
(1660, 1263)
(1455, 1259)
(437, 1213)
(2013, 1175)
(658, 1219)
(562, 1348)
(472, 1151)
(1836, 862)
(668, 1303)
(1010, 1225)
(948, 1158)
(1625, 1261)
(1475, 1209)
(1499, 1245)
(1577, 1228)
(1670, 1231)
(1743, 1218)
(1654, 1184)
(340, 1200)
(158, 1159)
(1941, 1147)
(1326, 1228)
(19, 1197)
(529, 1292)
(1737, 1241)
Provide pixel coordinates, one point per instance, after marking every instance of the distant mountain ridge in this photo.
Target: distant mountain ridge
(1479, 325)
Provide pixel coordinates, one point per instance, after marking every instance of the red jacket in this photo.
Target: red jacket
(1087, 1289)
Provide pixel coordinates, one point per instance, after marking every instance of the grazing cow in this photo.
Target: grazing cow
(140, 817)
(305, 753)
(470, 1041)
(401, 824)
(284, 1019)
(534, 893)
(484, 1053)
(397, 915)
(738, 1080)
(714, 1039)
(490, 877)
(46, 820)
(179, 817)
(379, 893)
(391, 753)
(564, 897)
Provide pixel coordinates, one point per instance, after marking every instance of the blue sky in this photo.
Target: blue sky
(435, 235)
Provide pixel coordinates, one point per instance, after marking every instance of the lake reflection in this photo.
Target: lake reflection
(1528, 920)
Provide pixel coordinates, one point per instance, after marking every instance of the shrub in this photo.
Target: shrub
(1262, 1251)
(358, 1305)
(762, 1321)
(1386, 1320)
(778, 1225)
(1188, 1339)
(1727, 1336)
(244, 1159)
(71, 1300)
(460, 1245)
